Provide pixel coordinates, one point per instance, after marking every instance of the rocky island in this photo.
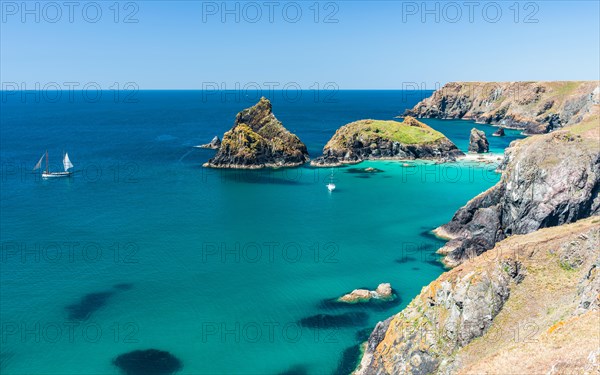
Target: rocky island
(528, 298)
(535, 107)
(259, 140)
(378, 139)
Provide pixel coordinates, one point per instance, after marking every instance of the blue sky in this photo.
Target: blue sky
(373, 45)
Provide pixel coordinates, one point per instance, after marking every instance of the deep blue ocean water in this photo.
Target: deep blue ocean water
(229, 271)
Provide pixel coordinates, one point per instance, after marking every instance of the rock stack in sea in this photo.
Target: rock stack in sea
(499, 133)
(259, 140)
(478, 142)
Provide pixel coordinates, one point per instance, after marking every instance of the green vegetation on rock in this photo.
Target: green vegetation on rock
(381, 139)
(409, 132)
(259, 140)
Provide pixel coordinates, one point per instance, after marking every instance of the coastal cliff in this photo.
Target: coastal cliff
(515, 310)
(259, 140)
(535, 107)
(525, 287)
(547, 180)
(377, 139)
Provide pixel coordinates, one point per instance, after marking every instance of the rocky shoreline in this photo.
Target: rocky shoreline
(488, 298)
(522, 252)
(547, 180)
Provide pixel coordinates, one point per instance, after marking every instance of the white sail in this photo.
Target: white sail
(39, 164)
(67, 163)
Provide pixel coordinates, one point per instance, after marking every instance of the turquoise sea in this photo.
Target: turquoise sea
(232, 272)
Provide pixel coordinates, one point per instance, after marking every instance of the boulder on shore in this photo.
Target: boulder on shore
(478, 142)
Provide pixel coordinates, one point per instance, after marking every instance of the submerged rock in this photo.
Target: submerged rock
(369, 170)
(326, 321)
(478, 142)
(259, 140)
(214, 144)
(383, 292)
(89, 304)
(148, 362)
(385, 140)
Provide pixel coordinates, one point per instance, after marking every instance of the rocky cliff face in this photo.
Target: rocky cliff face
(547, 180)
(536, 107)
(259, 140)
(375, 139)
(531, 302)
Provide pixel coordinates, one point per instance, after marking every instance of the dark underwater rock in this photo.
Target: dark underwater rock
(148, 362)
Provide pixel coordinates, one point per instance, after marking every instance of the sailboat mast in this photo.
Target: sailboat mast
(47, 169)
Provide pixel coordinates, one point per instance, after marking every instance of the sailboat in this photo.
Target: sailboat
(331, 185)
(47, 174)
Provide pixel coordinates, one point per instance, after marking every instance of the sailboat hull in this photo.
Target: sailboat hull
(56, 174)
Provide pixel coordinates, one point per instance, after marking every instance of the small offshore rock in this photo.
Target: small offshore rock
(478, 142)
(383, 292)
(213, 145)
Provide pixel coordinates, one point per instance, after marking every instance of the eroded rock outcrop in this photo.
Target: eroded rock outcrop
(536, 107)
(383, 292)
(547, 180)
(521, 304)
(478, 142)
(213, 145)
(377, 139)
(259, 140)
(499, 133)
